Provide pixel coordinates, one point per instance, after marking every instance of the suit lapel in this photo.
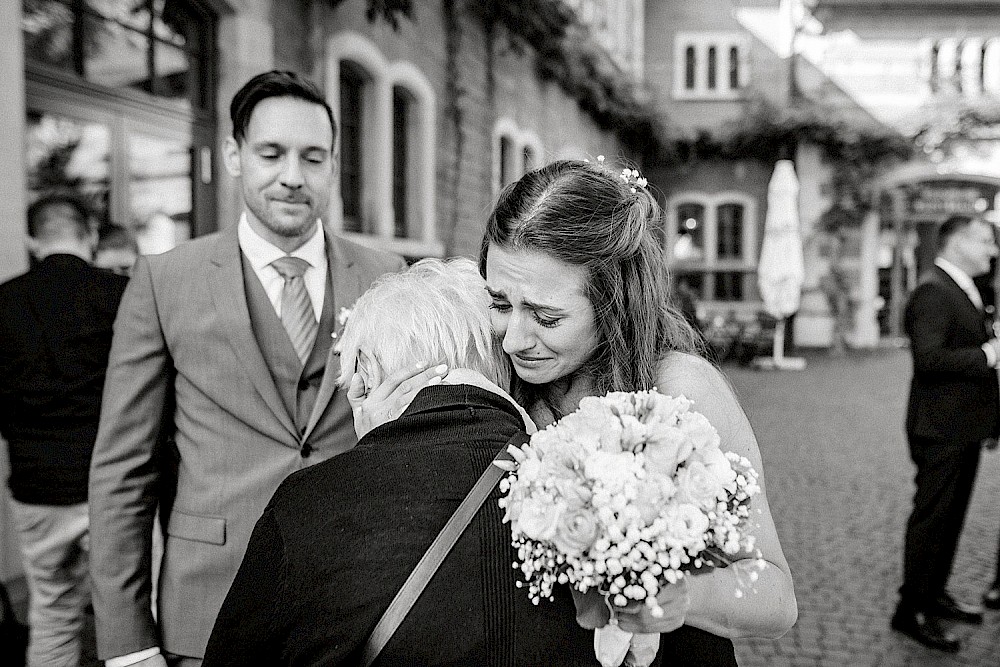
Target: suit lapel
(234, 316)
(346, 288)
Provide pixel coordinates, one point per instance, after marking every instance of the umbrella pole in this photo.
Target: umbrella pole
(779, 342)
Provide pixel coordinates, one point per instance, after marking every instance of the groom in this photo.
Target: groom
(221, 380)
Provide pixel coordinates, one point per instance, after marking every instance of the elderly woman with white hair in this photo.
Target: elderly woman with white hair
(339, 539)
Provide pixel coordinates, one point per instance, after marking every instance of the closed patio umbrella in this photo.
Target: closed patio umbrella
(780, 272)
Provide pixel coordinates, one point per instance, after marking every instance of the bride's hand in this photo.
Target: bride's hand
(674, 601)
(387, 398)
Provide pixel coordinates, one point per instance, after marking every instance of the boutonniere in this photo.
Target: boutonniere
(342, 317)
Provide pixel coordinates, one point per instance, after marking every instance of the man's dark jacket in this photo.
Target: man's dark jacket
(953, 394)
(55, 334)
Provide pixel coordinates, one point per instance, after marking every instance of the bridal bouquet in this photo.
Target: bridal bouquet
(626, 495)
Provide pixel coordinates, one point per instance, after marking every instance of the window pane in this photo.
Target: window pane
(115, 56)
(400, 160)
(351, 89)
(689, 68)
(730, 237)
(689, 245)
(734, 68)
(729, 286)
(712, 67)
(159, 188)
(68, 155)
(133, 13)
(47, 26)
(506, 151)
(173, 73)
(176, 23)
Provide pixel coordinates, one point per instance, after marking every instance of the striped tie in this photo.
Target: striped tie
(296, 309)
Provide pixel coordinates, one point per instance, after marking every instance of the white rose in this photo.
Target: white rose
(663, 449)
(611, 469)
(698, 486)
(538, 520)
(686, 524)
(718, 465)
(576, 532)
(699, 430)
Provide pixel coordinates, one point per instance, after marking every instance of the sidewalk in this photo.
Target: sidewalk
(840, 483)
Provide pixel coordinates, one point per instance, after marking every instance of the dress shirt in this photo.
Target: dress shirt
(963, 280)
(261, 253)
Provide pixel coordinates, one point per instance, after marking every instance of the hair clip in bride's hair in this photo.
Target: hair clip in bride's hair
(633, 178)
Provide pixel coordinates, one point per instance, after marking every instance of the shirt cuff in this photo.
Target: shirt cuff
(132, 658)
(991, 355)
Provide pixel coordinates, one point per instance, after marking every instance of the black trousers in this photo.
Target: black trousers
(946, 472)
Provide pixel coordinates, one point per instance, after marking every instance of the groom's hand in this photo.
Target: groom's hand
(375, 400)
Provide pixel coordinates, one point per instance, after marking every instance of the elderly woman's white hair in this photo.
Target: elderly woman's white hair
(436, 311)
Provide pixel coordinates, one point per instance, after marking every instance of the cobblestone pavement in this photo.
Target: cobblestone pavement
(840, 483)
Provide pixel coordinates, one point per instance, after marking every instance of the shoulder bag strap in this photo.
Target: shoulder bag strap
(435, 555)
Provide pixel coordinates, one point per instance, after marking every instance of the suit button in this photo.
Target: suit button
(306, 450)
(303, 384)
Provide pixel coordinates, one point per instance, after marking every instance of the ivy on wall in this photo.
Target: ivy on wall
(767, 133)
(390, 11)
(567, 55)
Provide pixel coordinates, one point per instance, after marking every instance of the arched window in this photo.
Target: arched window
(712, 67)
(402, 150)
(120, 103)
(690, 226)
(991, 66)
(734, 68)
(729, 234)
(712, 243)
(690, 68)
(352, 85)
(507, 169)
(387, 177)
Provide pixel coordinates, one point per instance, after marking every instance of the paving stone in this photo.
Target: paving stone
(840, 484)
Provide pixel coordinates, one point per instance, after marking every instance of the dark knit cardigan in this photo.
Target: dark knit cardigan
(338, 539)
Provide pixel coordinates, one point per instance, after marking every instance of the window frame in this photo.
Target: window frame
(710, 264)
(64, 92)
(702, 45)
(378, 208)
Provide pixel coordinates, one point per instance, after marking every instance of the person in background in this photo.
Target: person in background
(116, 249)
(55, 333)
(953, 408)
(221, 380)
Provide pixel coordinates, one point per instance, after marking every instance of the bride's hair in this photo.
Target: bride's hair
(585, 214)
(437, 311)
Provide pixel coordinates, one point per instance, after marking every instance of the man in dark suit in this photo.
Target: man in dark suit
(226, 341)
(55, 333)
(954, 407)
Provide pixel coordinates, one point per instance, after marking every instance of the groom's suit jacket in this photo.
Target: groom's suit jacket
(953, 394)
(204, 415)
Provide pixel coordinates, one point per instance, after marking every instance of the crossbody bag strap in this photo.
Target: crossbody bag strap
(435, 555)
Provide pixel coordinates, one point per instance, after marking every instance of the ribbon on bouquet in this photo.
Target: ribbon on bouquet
(615, 647)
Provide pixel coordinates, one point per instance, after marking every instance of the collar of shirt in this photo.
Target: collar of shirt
(962, 279)
(261, 253)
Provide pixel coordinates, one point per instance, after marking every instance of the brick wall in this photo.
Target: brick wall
(495, 80)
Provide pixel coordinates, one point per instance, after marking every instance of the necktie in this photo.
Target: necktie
(297, 313)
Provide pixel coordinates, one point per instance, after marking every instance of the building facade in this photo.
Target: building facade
(126, 103)
(712, 66)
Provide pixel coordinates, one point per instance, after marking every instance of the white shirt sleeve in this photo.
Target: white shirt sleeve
(991, 355)
(132, 658)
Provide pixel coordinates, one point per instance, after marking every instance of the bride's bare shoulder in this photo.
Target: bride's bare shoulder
(681, 372)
